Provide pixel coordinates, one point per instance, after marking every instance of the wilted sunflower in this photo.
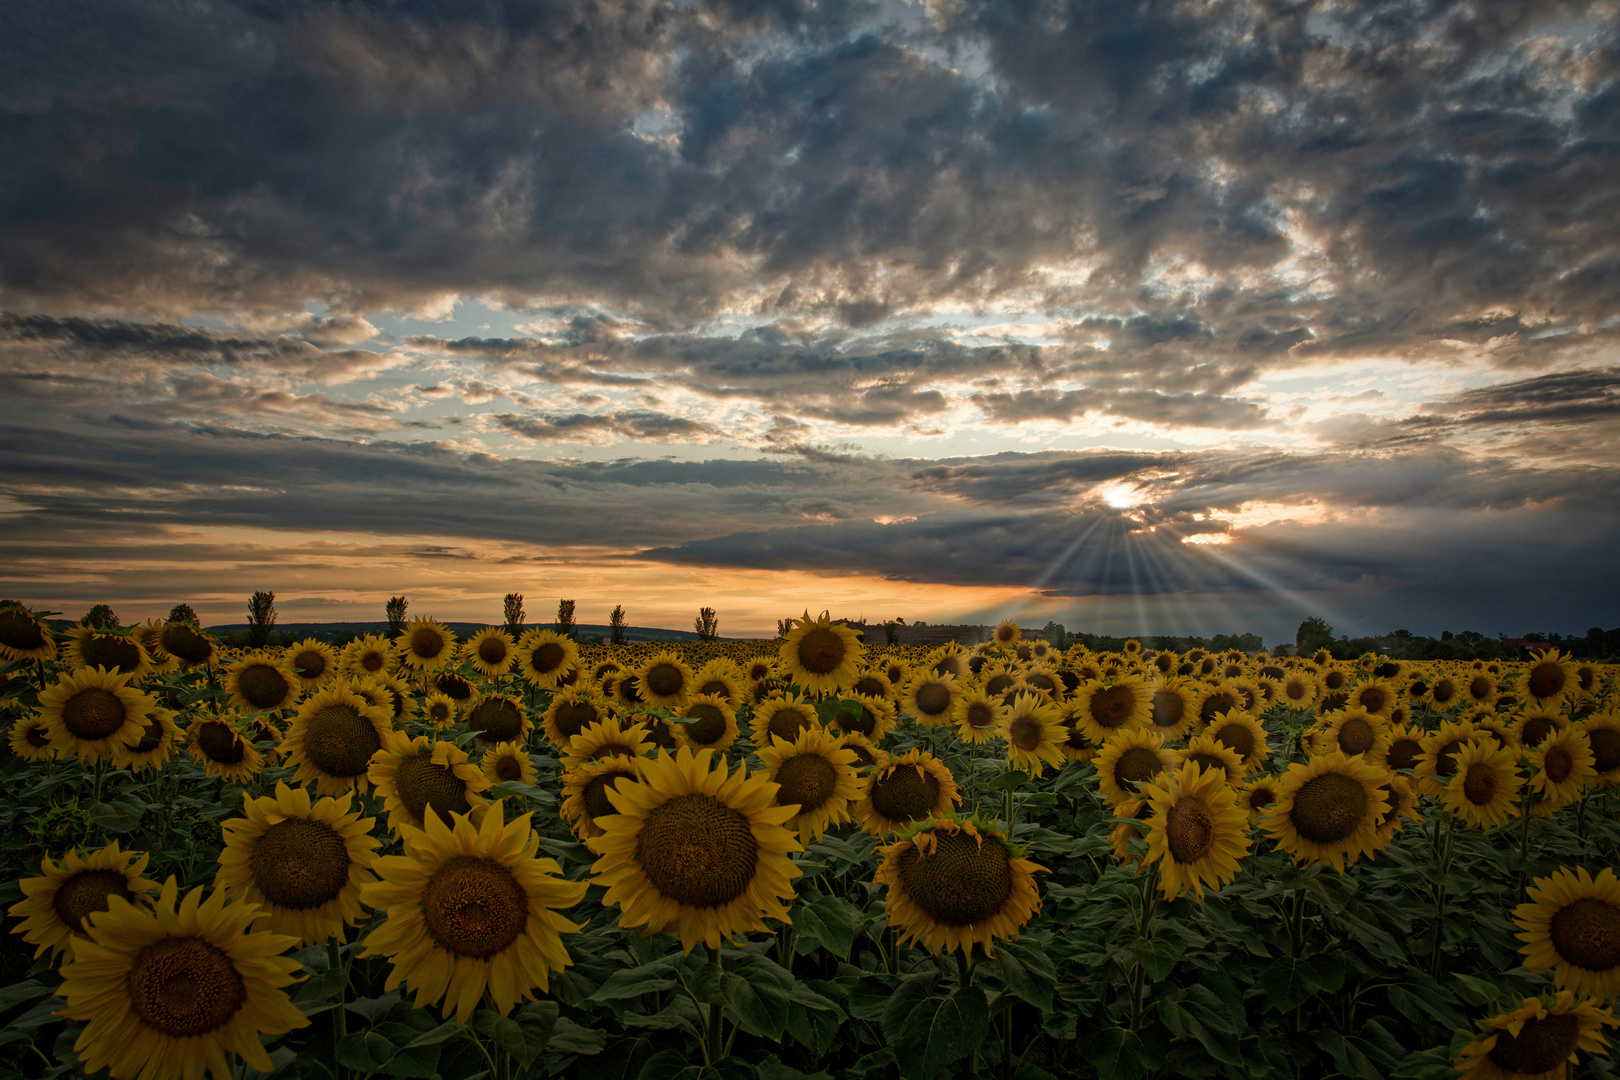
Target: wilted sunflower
(1572, 924)
(471, 908)
(1172, 707)
(92, 712)
(584, 797)
(332, 737)
(1243, 735)
(1195, 829)
(1403, 803)
(425, 645)
(1549, 678)
(302, 861)
(713, 723)
(490, 651)
(783, 718)
(1485, 788)
(118, 652)
(957, 882)
(1257, 795)
(1561, 768)
(30, 739)
(611, 738)
(1438, 762)
(507, 762)
(1533, 726)
(1535, 1041)
(931, 697)
(1034, 730)
(1328, 808)
(496, 718)
(696, 850)
(367, 656)
(259, 683)
(908, 789)
(1207, 752)
(978, 717)
(545, 658)
(219, 745)
(53, 907)
(815, 773)
(24, 636)
(1603, 731)
(188, 643)
(820, 655)
(721, 678)
(169, 992)
(665, 680)
(871, 717)
(414, 775)
(1128, 758)
(313, 663)
(1354, 730)
(440, 711)
(1100, 711)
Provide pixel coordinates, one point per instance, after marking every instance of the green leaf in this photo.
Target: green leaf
(633, 982)
(1009, 780)
(758, 995)
(929, 1031)
(16, 994)
(435, 1037)
(364, 1051)
(1117, 1054)
(570, 1038)
(1027, 972)
(374, 1009)
(1157, 955)
(324, 987)
(1288, 982)
(828, 923)
(1351, 1061)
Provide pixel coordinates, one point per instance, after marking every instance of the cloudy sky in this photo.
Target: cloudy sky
(1143, 316)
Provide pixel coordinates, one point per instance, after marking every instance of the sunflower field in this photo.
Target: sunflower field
(805, 857)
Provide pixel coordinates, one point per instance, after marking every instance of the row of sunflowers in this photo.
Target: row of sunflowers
(423, 856)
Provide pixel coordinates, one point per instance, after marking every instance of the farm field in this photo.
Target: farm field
(470, 855)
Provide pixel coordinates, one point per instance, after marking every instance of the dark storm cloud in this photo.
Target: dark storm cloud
(584, 427)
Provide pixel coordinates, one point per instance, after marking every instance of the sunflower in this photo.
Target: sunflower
(948, 660)
(1257, 795)
(188, 643)
(1335, 679)
(1195, 828)
(118, 652)
(867, 756)
(659, 731)
(425, 645)
(1486, 785)
(30, 739)
(1445, 692)
(872, 682)
(1128, 758)
(1035, 734)
(1244, 735)
(1006, 634)
(1438, 762)
(1298, 690)
(24, 636)
(1172, 707)
(1354, 730)
(1102, 710)
(490, 651)
(1549, 678)
(820, 655)
(54, 907)
(545, 658)
(1535, 1041)
(415, 775)
(978, 717)
(612, 738)
(931, 697)
(783, 718)
(665, 680)
(1209, 753)
(331, 738)
(1376, 696)
(150, 635)
(1403, 803)
(302, 861)
(1047, 682)
(957, 882)
(570, 713)
(440, 711)
(471, 908)
(584, 797)
(908, 789)
(1404, 747)
(312, 663)
(1221, 698)
(997, 677)
(696, 850)
(1572, 924)
(218, 744)
(508, 762)
(1603, 731)
(170, 992)
(1120, 839)
(1531, 729)
(713, 726)
(92, 712)
(259, 683)
(1478, 688)
(453, 686)
(497, 718)
(368, 655)
(721, 678)
(1328, 808)
(816, 774)
(874, 720)
(1561, 767)
(390, 693)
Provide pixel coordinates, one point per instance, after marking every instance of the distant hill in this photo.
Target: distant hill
(332, 631)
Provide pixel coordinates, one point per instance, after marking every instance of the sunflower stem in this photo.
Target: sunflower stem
(101, 768)
(713, 1043)
(340, 1021)
(964, 970)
